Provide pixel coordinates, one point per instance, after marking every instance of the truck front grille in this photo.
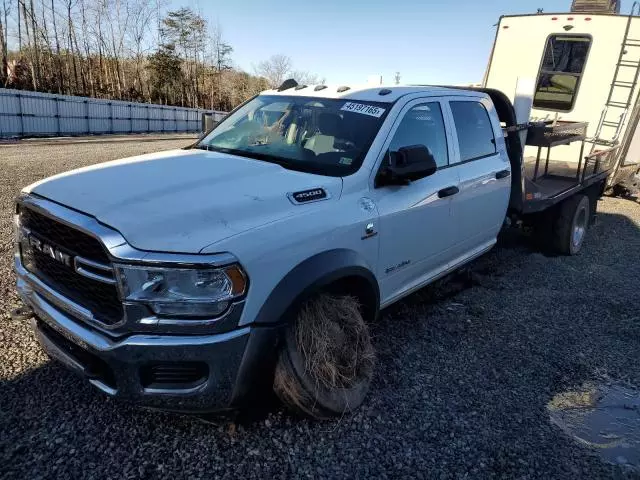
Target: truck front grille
(100, 298)
(63, 235)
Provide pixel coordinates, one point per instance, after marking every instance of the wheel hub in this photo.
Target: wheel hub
(579, 228)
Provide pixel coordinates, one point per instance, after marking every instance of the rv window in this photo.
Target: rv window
(561, 70)
(475, 133)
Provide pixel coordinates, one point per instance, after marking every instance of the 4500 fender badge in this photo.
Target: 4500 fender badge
(307, 196)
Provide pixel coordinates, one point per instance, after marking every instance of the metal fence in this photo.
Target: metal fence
(33, 114)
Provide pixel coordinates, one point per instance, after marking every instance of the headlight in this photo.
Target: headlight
(201, 292)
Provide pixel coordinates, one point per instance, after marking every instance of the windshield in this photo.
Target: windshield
(317, 135)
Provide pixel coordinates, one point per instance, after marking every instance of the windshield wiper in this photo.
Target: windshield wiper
(255, 155)
(211, 148)
(265, 157)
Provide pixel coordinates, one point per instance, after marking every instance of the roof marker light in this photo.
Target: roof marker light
(569, 18)
(587, 19)
(554, 18)
(505, 27)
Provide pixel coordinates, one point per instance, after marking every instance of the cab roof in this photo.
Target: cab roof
(382, 93)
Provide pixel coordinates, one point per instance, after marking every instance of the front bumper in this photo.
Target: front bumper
(238, 363)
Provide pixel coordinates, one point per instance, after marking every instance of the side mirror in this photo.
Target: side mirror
(406, 165)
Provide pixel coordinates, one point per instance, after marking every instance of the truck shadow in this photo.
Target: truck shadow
(491, 344)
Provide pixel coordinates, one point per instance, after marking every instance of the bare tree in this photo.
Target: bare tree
(307, 78)
(278, 68)
(275, 69)
(35, 47)
(84, 25)
(4, 31)
(32, 67)
(128, 49)
(117, 17)
(142, 17)
(221, 60)
(59, 75)
(19, 22)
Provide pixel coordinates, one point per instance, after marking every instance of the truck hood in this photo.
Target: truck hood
(183, 200)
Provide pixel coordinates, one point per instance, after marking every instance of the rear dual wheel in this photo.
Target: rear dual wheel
(563, 229)
(571, 224)
(327, 359)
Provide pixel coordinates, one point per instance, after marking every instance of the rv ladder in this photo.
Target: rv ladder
(628, 63)
(615, 112)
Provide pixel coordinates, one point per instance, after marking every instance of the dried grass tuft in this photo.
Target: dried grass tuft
(334, 341)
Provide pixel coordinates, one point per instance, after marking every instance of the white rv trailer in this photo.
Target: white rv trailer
(583, 66)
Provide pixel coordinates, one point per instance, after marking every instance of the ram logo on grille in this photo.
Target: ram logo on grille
(50, 250)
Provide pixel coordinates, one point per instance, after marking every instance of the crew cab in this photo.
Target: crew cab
(177, 279)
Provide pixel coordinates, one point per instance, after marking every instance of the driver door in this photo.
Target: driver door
(415, 220)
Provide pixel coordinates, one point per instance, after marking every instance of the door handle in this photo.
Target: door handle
(503, 174)
(447, 192)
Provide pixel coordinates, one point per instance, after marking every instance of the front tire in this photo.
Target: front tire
(327, 359)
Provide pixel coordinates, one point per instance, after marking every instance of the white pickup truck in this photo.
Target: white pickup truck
(195, 279)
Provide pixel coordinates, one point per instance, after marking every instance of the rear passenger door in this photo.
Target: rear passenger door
(483, 167)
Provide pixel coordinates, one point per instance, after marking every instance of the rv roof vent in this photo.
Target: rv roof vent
(595, 6)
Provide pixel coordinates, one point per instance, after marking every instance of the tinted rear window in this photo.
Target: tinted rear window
(475, 133)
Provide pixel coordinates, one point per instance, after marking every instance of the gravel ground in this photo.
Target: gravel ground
(465, 371)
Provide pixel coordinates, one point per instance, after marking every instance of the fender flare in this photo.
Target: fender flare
(313, 274)
(261, 353)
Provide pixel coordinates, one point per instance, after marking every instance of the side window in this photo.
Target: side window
(562, 67)
(423, 125)
(475, 133)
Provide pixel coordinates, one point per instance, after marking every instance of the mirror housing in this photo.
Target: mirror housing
(408, 164)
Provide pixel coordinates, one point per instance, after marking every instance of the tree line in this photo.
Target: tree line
(128, 50)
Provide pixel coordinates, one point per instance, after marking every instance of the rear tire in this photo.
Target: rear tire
(570, 225)
(326, 362)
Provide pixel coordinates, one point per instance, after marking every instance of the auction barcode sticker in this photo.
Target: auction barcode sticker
(363, 108)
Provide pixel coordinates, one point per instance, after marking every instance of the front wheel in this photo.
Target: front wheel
(326, 363)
